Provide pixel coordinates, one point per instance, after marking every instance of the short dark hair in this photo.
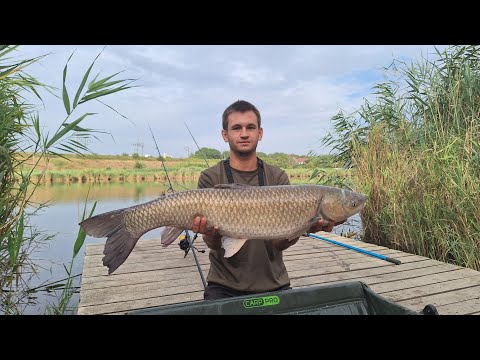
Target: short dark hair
(239, 106)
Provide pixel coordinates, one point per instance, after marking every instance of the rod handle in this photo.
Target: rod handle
(392, 260)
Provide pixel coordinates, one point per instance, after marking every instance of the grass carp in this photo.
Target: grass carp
(241, 212)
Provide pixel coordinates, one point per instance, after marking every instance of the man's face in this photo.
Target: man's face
(243, 132)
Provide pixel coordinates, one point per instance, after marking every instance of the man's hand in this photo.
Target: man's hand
(284, 243)
(321, 225)
(211, 237)
(325, 225)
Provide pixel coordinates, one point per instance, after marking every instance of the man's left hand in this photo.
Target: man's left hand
(325, 225)
(321, 225)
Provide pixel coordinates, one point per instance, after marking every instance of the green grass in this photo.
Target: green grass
(175, 172)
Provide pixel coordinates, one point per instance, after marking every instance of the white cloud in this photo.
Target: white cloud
(255, 76)
(296, 88)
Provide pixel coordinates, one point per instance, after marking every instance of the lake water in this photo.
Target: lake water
(61, 218)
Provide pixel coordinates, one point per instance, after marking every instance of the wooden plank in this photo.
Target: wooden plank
(376, 275)
(140, 290)
(132, 266)
(119, 280)
(139, 277)
(154, 275)
(150, 244)
(179, 253)
(466, 307)
(192, 275)
(97, 257)
(379, 286)
(444, 298)
(135, 292)
(298, 264)
(142, 303)
(418, 291)
(123, 307)
(373, 263)
(96, 260)
(95, 267)
(426, 280)
(192, 272)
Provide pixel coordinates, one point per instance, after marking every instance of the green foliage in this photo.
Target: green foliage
(226, 154)
(320, 161)
(139, 165)
(209, 153)
(415, 152)
(22, 142)
(67, 288)
(282, 160)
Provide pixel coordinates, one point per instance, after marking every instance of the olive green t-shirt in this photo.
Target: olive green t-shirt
(257, 266)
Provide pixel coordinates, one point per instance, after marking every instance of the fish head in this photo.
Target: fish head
(340, 204)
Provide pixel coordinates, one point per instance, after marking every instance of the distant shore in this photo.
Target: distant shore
(91, 169)
(151, 175)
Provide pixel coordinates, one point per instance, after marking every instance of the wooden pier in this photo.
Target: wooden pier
(154, 276)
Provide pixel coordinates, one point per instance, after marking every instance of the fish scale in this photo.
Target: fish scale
(241, 212)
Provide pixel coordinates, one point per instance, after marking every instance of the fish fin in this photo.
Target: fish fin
(101, 225)
(231, 186)
(232, 245)
(170, 234)
(120, 242)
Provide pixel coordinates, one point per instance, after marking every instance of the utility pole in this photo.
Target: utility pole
(137, 146)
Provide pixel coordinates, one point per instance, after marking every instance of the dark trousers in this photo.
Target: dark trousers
(215, 291)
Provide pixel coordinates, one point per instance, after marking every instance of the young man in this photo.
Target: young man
(258, 266)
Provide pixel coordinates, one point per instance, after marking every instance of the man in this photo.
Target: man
(258, 266)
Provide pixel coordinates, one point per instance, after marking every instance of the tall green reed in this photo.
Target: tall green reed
(22, 141)
(415, 151)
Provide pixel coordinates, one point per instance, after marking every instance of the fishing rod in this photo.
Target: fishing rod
(206, 162)
(383, 257)
(201, 152)
(187, 235)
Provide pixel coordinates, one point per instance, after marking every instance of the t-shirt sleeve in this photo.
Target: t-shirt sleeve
(205, 181)
(283, 179)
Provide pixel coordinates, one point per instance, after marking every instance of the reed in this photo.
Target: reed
(415, 152)
(21, 143)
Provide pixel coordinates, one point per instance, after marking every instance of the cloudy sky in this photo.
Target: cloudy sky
(296, 88)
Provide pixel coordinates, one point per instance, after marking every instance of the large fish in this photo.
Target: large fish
(241, 212)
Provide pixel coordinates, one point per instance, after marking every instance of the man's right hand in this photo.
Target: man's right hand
(211, 237)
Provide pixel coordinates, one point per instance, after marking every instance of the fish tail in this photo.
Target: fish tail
(120, 242)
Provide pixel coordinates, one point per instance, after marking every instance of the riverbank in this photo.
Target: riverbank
(102, 169)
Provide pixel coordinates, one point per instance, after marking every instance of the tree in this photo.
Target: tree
(281, 160)
(208, 153)
(226, 154)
